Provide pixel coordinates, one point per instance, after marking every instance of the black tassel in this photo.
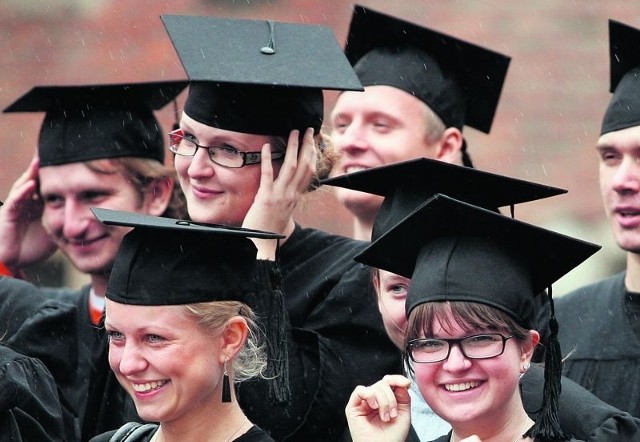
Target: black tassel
(547, 426)
(226, 386)
(274, 321)
(277, 345)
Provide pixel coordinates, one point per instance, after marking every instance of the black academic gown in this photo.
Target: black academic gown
(54, 326)
(30, 407)
(603, 349)
(337, 339)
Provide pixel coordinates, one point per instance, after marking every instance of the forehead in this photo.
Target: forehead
(628, 138)
(132, 317)
(76, 177)
(203, 132)
(383, 99)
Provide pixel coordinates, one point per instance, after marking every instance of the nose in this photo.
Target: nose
(77, 218)
(352, 139)
(131, 360)
(201, 165)
(457, 361)
(626, 178)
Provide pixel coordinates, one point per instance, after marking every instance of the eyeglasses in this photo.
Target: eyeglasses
(484, 346)
(223, 155)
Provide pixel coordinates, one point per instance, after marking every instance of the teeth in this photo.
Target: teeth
(461, 387)
(352, 169)
(143, 388)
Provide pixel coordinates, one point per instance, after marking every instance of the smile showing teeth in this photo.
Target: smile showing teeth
(461, 387)
(153, 385)
(352, 169)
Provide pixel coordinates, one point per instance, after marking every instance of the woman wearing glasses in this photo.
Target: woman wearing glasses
(247, 148)
(469, 337)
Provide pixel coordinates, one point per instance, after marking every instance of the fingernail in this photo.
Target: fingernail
(386, 417)
(394, 412)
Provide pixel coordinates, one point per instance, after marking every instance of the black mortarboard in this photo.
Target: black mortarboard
(454, 251)
(165, 261)
(624, 57)
(257, 76)
(427, 247)
(459, 81)
(408, 184)
(91, 122)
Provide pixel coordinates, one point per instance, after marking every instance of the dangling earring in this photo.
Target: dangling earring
(226, 386)
(526, 367)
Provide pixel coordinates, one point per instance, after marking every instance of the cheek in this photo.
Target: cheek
(181, 165)
(115, 356)
(52, 219)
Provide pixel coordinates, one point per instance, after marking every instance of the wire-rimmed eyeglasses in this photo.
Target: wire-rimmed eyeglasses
(223, 155)
(484, 346)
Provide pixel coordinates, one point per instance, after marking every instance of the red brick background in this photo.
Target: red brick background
(546, 124)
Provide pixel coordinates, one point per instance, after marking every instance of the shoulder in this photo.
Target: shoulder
(591, 299)
(255, 434)
(129, 432)
(309, 238)
(608, 285)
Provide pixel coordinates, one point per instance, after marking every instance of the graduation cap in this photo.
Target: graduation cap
(408, 184)
(170, 262)
(461, 82)
(624, 58)
(91, 122)
(258, 76)
(130, 219)
(455, 251)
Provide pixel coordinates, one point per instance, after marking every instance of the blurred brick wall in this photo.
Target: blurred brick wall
(545, 129)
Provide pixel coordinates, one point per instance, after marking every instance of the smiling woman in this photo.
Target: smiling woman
(470, 313)
(178, 340)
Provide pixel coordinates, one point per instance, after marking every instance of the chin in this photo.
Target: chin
(359, 202)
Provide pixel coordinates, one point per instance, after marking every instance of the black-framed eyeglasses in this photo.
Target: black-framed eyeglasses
(484, 346)
(223, 155)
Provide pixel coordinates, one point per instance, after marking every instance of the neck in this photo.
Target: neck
(362, 227)
(99, 284)
(230, 423)
(632, 278)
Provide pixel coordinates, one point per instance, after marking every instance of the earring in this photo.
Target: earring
(526, 367)
(226, 386)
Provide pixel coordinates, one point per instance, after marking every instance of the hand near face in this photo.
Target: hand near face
(277, 198)
(381, 411)
(23, 239)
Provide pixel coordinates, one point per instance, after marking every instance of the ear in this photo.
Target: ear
(528, 347)
(158, 195)
(233, 337)
(450, 148)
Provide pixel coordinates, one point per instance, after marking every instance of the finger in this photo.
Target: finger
(386, 401)
(266, 168)
(362, 401)
(307, 161)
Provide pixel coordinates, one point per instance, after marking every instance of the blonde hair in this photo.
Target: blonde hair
(141, 172)
(251, 360)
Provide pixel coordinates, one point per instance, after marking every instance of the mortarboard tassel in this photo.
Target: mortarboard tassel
(547, 426)
(274, 319)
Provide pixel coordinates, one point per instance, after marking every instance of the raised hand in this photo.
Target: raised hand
(277, 198)
(23, 239)
(381, 411)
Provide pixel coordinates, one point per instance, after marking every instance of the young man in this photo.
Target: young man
(601, 330)
(99, 146)
(421, 88)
